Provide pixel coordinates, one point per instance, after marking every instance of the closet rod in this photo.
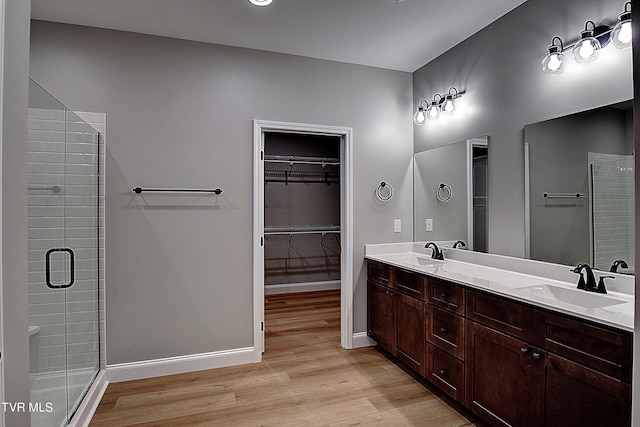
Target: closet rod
(330, 161)
(139, 190)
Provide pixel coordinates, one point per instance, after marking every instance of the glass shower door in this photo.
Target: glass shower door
(63, 258)
(81, 237)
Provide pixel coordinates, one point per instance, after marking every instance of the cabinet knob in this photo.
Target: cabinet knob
(443, 329)
(444, 295)
(393, 294)
(443, 371)
(524, 350)
(537, 355)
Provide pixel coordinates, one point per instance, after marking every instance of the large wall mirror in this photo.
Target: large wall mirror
(580, 189)
(451, 195)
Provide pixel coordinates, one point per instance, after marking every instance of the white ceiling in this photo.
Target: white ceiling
(395, 34)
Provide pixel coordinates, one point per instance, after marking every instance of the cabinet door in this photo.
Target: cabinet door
(381, 315)
(575, 395)
(499, 385)
(410, 332)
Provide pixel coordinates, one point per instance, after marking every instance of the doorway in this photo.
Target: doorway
(263, 131)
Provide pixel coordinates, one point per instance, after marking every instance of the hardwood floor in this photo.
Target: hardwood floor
(305, 379)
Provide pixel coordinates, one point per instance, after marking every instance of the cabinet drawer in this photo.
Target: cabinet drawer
(446, 295)
(599, 348)
(506, 316)
(446, 372)
(379, 273)
(412, 284)
(446, 331)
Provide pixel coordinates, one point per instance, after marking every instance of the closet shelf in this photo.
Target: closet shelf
(306, 229)
(305, 160)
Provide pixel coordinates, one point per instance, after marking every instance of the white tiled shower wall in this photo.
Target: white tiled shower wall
(64, 174)
(613, 218)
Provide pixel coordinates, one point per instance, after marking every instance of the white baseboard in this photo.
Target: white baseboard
(361, 339)
(178, 365)
(85, 412)
(290, 288)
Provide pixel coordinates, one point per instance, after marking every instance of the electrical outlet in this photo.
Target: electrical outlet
(429, 224)
(397, 225)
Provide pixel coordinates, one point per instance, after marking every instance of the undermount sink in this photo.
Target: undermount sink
(577, 297)
(415, 260)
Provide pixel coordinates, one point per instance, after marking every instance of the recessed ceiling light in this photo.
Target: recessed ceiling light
(261, 2)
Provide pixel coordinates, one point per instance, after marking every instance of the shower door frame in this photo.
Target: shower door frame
(346, 222)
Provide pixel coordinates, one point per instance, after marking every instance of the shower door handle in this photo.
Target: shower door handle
(71, 266)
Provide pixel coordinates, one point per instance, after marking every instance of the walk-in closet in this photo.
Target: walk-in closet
(302, 212)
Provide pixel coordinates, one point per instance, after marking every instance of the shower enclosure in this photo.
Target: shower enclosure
(63, 258)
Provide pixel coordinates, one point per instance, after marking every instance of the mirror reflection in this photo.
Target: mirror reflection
(581, 189)
(450, 194)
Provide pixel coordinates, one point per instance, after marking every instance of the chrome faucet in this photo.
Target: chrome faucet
(590, 283)
(459, 242)
(435, 252)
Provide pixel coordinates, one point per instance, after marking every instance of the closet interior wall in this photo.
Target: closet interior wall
(302, 212)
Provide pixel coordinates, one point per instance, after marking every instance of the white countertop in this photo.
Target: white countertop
(616, 308)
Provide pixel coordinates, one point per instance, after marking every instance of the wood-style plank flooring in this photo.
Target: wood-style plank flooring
(305, 379)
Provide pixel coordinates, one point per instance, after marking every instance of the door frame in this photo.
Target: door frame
(346, 224)
(471, 143)
(2, 24)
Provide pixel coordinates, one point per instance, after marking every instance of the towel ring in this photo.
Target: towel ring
(384, 192)
(444, 192)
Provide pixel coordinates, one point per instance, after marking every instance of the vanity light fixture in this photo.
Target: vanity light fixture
(260, 2)
(621, 33)
(440, 104)
(592, 39)
(588, 47)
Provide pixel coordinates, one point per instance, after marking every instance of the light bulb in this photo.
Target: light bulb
(449, 105)
(554, 62)
(587, 48)
(419, 117)
(433, 111)
(621, 33)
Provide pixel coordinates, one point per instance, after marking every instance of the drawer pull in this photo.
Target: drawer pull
(536, 355)
(524, 350)
(444, 330)
(400, 285)
(391, 294)
(443, 372)
(444, 295)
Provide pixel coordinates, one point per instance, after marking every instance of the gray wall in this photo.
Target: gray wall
(559, 163)
(499, 69)
(179, 114)
(14, 206)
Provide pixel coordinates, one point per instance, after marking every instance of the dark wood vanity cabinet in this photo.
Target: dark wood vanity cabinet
(510, 363)
(396, 313)
(560, 371)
